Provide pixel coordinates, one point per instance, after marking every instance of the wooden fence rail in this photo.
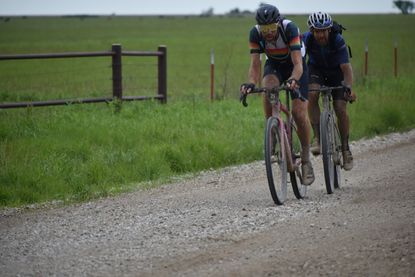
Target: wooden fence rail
(117, 92)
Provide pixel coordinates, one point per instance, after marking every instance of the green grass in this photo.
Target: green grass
(80, 152)
(383, 106)
(83, 151)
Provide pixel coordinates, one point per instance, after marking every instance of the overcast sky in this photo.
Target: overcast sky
(147, 7)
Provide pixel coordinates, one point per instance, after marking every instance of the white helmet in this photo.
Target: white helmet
(319, 20)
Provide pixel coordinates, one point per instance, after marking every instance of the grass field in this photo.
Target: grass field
(79, 152)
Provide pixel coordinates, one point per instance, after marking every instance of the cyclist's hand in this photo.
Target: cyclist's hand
(293, 84)
(351, 97)
(246, 88)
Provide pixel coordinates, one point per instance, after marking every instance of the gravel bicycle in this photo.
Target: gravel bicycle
(330, 140)
(282, 146)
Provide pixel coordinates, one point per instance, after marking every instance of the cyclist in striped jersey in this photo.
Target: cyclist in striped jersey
(279, 39)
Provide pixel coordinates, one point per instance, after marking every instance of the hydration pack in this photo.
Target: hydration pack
(337, 28)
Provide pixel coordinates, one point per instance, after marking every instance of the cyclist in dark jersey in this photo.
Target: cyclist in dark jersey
(329, 65)
(280, 40)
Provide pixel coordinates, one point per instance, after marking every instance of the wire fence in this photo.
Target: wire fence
(189, 76)
(51, 82)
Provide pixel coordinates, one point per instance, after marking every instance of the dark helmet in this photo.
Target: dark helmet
(267, 14)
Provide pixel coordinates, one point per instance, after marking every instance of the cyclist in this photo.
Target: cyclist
(328, 64)
(279, 39)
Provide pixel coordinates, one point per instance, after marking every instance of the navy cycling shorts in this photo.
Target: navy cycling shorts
(283, 70)
(327, 77)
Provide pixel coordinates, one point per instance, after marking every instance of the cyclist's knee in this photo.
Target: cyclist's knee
(299, 113)
(270, 81)
(313, 98)
(340, 108)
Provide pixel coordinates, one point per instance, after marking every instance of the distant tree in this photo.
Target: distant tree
(247, 12)
(238, 12)
(207, 13)
(405, 6)
(234, 12)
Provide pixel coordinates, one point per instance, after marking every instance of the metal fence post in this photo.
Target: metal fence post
(116, 71)
(162, 73)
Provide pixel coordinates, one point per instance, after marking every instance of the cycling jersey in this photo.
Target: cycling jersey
(278, 53)
(279, 49)
(328, 57)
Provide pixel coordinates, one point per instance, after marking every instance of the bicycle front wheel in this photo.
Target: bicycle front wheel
(327, 147)
(275, 161)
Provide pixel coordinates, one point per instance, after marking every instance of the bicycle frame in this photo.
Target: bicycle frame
(329, 139)
(286, 162)
(278, 109)
(327, 102)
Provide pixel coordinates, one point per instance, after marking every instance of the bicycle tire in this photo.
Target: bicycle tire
(337, 156)
(299, 189)
(275, 161)
(327, 144)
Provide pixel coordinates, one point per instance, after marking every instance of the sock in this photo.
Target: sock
(305, 154)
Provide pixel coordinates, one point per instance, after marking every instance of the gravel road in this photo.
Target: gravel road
(224, 223)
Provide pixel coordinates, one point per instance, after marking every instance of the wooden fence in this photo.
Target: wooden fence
(117, 92)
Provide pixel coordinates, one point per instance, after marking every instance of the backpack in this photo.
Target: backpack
(337, 28)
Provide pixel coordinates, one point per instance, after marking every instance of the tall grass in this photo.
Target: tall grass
(79, 152)
(83, 151)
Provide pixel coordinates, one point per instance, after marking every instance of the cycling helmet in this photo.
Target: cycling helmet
(267, 14)
(319, 20)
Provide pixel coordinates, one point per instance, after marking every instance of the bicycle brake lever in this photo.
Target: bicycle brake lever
(242, 99)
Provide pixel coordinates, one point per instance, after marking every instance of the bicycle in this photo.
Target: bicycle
(282, 146)
(330, 141)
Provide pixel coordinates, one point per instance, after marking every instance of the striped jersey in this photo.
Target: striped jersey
(280, 48)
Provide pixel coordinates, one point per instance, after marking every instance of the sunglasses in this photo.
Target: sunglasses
(265, 29)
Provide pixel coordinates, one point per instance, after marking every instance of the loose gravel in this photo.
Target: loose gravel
(223, 222)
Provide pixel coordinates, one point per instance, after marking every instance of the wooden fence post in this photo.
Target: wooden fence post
(116, 72)
(162, 73)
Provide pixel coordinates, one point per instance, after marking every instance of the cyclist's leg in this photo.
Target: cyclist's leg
(271, 79)
(303, 130)
(340, 107)
(299, 112)
(315, 82)
(339, 104)
(343, 122)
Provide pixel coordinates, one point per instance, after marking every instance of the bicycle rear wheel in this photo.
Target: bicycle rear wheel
(275, 161)
(327, 147)
(299, 189)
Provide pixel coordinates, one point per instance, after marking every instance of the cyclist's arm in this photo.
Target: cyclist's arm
(347, 74)
(297, 60)
(342, 57)
(254, 69)
(348, 79)
(294, 44)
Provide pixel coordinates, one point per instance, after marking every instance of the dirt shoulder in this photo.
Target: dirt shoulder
(225, 223)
